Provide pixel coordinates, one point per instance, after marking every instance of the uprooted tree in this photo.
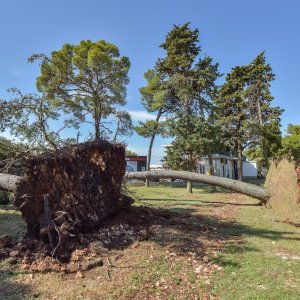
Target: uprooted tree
(75, 189)
(68, 191)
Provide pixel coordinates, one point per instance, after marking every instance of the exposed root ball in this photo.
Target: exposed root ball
(70, 191)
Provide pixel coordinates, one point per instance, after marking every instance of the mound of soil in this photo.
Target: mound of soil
(87, 250)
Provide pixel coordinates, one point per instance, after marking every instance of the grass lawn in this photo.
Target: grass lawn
(224, 246)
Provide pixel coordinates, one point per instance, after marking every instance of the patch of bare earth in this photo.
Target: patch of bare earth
(141, 253)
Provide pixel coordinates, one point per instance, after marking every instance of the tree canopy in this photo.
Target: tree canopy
(189, 79)
(87, 80)
(291, 142)
(246, 115)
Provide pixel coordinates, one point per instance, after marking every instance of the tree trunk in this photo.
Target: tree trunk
(97, 130)
(240, 162)
(263, 140)
(189, 184)
(241, 187)
(147, 182)
(9, 182)
(211, 169)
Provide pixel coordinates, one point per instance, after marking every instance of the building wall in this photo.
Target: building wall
(226, 168)
(136, 163)
(250, 169)
(221, 168)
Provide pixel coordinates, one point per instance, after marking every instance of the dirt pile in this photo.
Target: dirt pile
(71, 191)
(127, 227)
(283, 180)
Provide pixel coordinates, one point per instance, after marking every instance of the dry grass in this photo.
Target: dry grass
(282, 181)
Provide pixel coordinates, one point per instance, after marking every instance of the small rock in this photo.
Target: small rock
(205, 259)
(79, 274)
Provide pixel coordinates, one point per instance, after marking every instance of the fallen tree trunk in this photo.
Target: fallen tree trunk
(9, 182)
(234, 185)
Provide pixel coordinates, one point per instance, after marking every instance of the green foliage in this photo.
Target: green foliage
(87, 80)
(246, 116)
(124, 125)
(4, 198)
(291, 142)
(28, 118)
(264, 120)
(8, 149)
(12, 156)
(130, 153)
(191, 82)
(193, 139)
(148, 128)
(232, 109)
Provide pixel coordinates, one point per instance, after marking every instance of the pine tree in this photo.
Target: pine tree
(264, 120)
(155, 99)
(232, 113)
(190, 81)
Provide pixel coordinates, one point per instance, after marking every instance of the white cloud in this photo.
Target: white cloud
(141, 115)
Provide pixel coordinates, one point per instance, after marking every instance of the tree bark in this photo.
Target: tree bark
(147, 182)
(189, 184)
(9, 182)
(263, 140)
(211, 169)
(234, 185)
(97, 130)
(240, 162)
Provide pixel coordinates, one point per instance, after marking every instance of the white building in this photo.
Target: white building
(226, 166)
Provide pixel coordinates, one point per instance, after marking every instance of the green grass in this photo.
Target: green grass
(265, 266)
(11, 222)
(260, 261)
(259, 271)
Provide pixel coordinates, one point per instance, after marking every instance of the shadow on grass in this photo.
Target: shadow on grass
(10, 289)
(8, 207)
(11, 222)
(196, 202)
(175, 230)
(182, 233)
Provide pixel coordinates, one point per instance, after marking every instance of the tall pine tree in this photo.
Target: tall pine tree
(190, 81)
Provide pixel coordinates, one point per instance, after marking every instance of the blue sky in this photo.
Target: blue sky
(233, 32)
